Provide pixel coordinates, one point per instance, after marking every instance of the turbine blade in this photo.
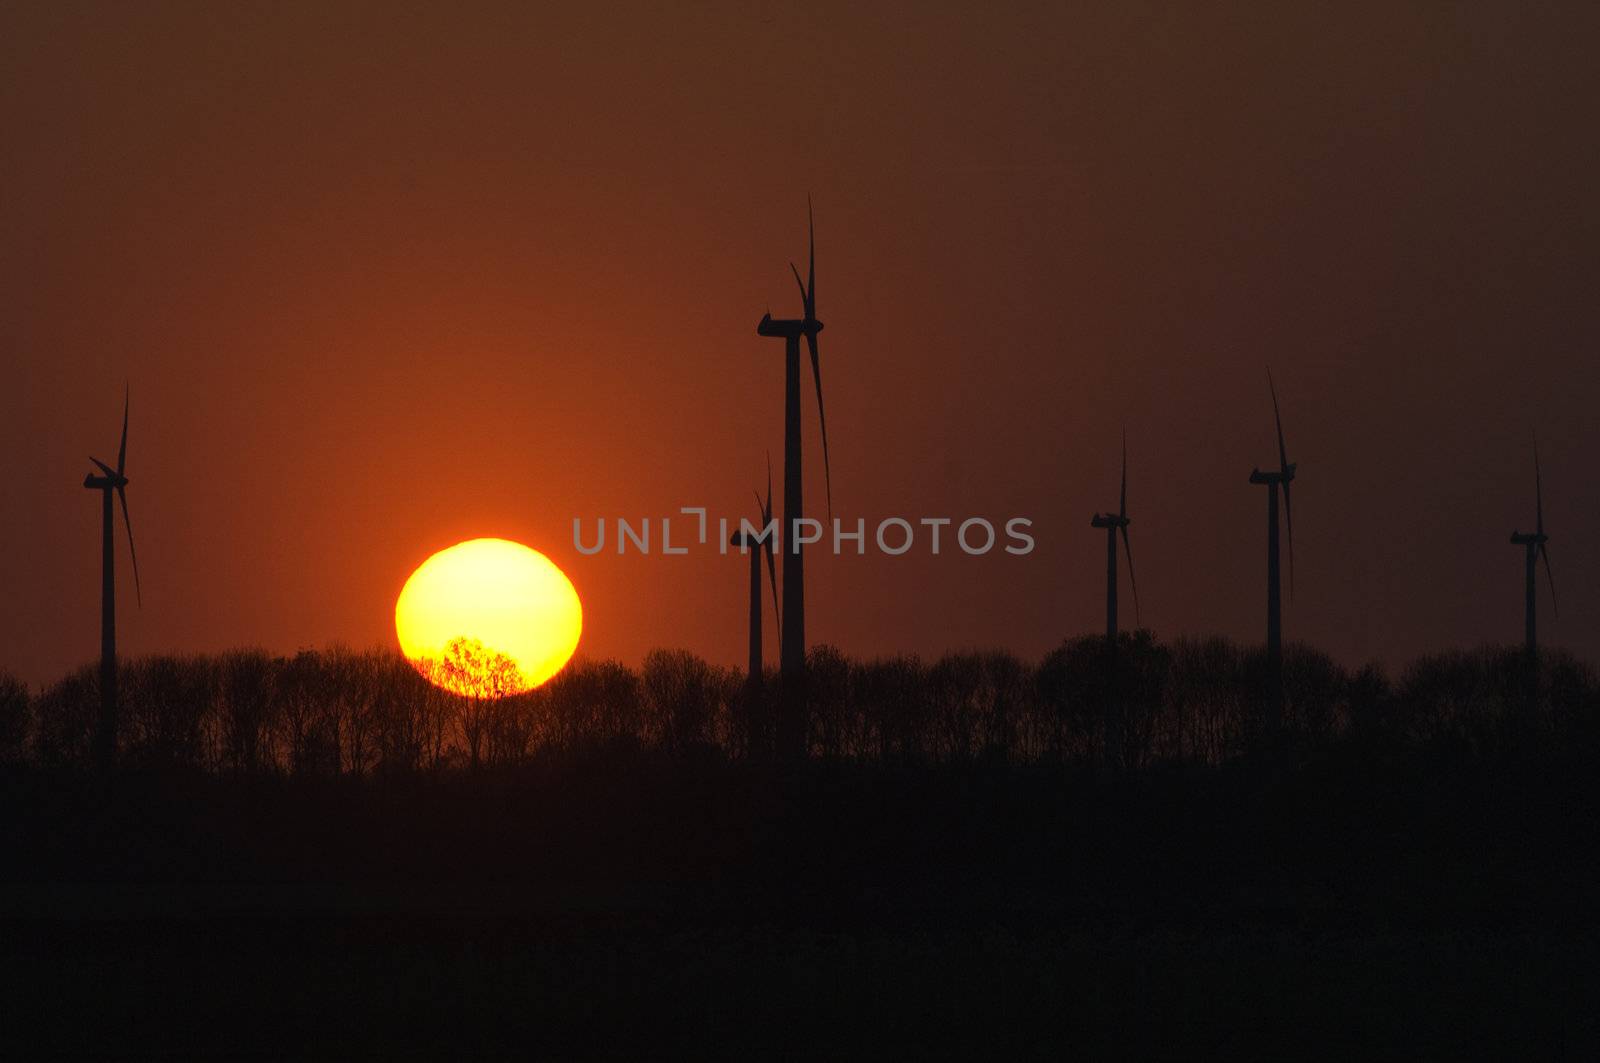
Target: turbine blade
(1545, 554)
(1127, 548)
(811, 272)
(1122, 506)
(1283, 452)
(122, 451)
(1538, 488)
(772, 581)
(108, 470)
(816, 374)
(805, 300)
(766, 510)
(128, 524)
(1288, 518)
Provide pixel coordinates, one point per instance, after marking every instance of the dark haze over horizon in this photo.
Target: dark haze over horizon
(384, 278)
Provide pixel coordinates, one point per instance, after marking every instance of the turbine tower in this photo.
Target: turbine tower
(756, 546)
(1273, 480)
(792, 636)
(757, 718)
(1112, 523)
(111, 480)
(1535, 548)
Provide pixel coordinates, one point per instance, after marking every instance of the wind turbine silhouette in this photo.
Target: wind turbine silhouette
(1273, 480)
(792, 636)
(111, 480)
(748, 543)
(1112, 523)
(1535, 547)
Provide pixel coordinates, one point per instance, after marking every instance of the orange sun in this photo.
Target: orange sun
(488, 618)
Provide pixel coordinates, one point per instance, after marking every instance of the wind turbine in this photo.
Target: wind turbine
(1535, 548)
(1273, 480)
(1112, 523)
(748, 543)
(792, 637)
(111, 480)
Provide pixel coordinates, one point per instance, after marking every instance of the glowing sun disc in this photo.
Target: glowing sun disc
(488, 618)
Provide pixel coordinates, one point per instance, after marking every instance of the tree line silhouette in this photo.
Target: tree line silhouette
(341, 711)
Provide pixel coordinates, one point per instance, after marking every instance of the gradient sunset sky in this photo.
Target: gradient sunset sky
(385, 277)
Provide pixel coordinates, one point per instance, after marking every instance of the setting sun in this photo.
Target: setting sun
(488, 618)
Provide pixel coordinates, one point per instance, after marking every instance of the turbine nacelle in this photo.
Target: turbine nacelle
(111, 480)
(788, 328)
(1537, 551)
(1114, 523)
(1283, 477)
(114, 480)
(764, 543)
(791, 329)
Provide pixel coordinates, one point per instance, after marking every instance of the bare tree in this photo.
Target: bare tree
(480, 677)
(679, 689)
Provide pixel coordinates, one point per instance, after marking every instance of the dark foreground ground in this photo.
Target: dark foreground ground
(1348, 905)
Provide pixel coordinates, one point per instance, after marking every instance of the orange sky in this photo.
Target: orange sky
(387, 277)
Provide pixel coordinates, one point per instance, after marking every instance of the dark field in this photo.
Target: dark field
(636, 904)
(322, 856)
